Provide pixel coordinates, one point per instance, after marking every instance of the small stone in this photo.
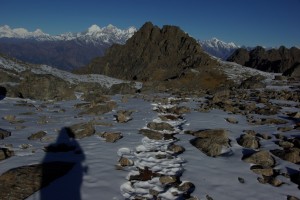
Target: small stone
(208, 197)
(285, 144)
(160, 126)
(123, 116)
(168, 179)
(241, 180)
(124, 162)
(232, 120)
(186, 187)
(177, 149)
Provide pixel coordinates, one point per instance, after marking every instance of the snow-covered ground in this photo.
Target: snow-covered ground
(216, 177)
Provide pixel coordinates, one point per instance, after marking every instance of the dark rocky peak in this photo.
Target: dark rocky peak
(152, 53)
(273, 60)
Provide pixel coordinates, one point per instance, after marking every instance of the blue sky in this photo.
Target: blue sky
(245, 22)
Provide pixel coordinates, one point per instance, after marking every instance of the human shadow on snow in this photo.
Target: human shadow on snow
(62, 168)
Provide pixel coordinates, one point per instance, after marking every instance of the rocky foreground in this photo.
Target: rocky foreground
(235, 143)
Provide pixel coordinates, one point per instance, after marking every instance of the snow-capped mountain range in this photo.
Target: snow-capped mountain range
(69, 51)
(218, 48)
(94, 34)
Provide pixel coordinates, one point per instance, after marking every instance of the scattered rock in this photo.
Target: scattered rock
(249, 141)
(289, 197)
(123, 116)
(155, 135)
(254, 82)
(5, 153)
(98, 108)
(36, 136)
(160, 126)
(168, 179)
(82, 130)
(241, 180)
(232, 120)
(271, 180)
(262, 158)
(291, 155)
(211, 142)
(186, 187)
(4, 133)
(262, 171)
(144, 175)
(177, 149)
(12, 119)
(23, 181)
(285, 128)
(124, 162)
(111, 136)
(285, 144)
(220, 95)
(295, 115)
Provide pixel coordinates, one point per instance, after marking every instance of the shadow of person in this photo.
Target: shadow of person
(3, 92)
(62, 168)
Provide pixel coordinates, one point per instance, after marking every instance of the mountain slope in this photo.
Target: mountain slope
(66, 51)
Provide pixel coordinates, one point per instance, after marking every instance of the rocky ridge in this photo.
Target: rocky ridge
(281, 60)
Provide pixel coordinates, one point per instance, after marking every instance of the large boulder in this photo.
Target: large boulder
(45, 87)
(211, 142)
(21, 182)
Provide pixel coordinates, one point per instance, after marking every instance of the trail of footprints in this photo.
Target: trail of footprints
(155, 165)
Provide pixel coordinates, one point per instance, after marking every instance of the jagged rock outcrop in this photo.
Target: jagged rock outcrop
(156, 54)
(152, 54)
(274, 60)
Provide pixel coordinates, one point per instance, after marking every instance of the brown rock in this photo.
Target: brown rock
(4, 133)
(291, 155)
(82, 130)
(160, 126)
(177, 149)
(123, 116)
(249, 141)
(168, 179)
(232, 120)
(186, 187)
(262, 158)
(23, 181)
(124, 162)
(262, 171)
(5, 153)
(111, 136)
(37, 135)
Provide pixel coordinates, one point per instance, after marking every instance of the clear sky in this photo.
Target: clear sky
(269, 23)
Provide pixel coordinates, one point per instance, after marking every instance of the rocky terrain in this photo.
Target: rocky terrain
(182, 125)
(281, 60)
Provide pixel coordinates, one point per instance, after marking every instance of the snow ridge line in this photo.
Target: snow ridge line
(156, 167)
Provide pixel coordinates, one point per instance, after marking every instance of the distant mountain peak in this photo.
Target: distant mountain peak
(218, 48)
(94, 28)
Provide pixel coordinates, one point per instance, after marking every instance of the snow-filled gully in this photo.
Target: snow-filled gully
(157, 167)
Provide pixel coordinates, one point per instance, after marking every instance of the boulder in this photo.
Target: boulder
(160, 126)
(177, 149)
(124, 162)
(4, 133)
(249, 141)
(111, 136)
(168, 179)
(155, 135)
(211, 142)
(37, 135)
(123, 116)
(262, 158)
(21, 182)
(5, 153)
(291, 155)
(82, 130)
(254, 82)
